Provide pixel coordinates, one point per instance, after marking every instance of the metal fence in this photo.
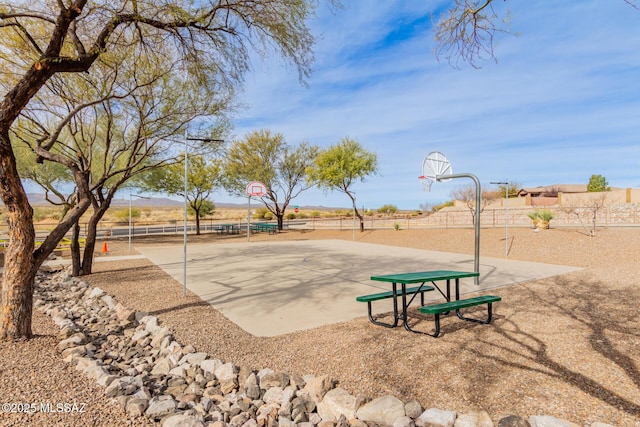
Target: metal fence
(614, 215)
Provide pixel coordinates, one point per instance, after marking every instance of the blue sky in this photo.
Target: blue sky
(561, 103)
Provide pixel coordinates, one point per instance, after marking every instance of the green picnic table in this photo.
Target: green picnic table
(424, 277)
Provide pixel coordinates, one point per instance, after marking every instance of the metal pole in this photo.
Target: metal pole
(129, 222)
(476, 257)
(249, 220)
(506, 220)
(506, 216)
(186, 188)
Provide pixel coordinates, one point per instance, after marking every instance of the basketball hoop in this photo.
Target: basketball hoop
(426, 183)
(256, 189)
(434, 167)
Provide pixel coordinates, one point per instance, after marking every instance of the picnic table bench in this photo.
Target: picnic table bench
(263, 226)
(434, 309)
(227, 229)
(390, 294)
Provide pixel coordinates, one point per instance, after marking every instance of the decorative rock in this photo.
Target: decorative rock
(317, 387)
(74, 340)
(285, 422)
(163, 366)
(250, 423)
(136, 407)
(225, 372)
(239, 420)
(303, 402)
(413, 409)
(183, 420)
(275, 379)
(95, 293)
(124, 313)
(404, 422)
(274, 394)
(193, 358)
(210, 365)
(474, 419)
(337, 402)
(513, 421)
(160, 406)
(548, 421)
(436, 418)
(383, 410)
(109, 301)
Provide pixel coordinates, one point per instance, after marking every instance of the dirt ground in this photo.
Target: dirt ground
(566, 346)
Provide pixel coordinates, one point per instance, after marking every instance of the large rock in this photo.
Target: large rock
(383, 410)
(337, 402)
(548, 421)
(474, 419)
(436, 418)
(136, 407)
(513, 421)
(160, 406)
(317, 387)
(274, 379)
(183, 420)
(210, 365)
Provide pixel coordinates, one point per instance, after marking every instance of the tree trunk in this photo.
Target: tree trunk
(75, 250)
(19, 270)
(90, 242)
(197, 212)
(356, 212)
(280, 218)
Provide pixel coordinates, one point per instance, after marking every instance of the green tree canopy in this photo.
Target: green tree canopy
(44, 43)
(203, 178)
(266, 157)
(340, 166)
(598, 183)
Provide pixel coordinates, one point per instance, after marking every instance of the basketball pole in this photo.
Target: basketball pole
(249, 219)
(476, 257)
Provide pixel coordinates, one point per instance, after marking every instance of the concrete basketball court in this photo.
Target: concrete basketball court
(274, 288)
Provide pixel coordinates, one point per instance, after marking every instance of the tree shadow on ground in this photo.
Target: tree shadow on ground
(587, 304)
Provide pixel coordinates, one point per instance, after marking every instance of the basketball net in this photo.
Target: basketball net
(426, 183)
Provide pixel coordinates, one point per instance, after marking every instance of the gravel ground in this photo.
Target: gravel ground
(566, 346)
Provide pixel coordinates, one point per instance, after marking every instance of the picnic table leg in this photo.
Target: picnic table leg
(471, 319)
(396, 316)
(405, 316)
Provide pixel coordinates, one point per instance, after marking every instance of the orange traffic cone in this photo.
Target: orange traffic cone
(104, 248)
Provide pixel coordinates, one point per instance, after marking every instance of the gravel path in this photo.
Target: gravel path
(566, 346)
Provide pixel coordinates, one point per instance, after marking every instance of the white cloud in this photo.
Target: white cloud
(561, 103)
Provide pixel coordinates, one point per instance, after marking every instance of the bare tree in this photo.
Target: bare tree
(467, 194)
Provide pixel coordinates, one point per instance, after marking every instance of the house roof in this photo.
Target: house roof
(555, 188)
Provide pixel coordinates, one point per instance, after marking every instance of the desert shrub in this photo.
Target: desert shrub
(291, 216)
(541, 218)
(43, 213)
(260, 213)
(315, 214)
(390, 209)
(544, 215)
(122, 215)
(396, 226)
